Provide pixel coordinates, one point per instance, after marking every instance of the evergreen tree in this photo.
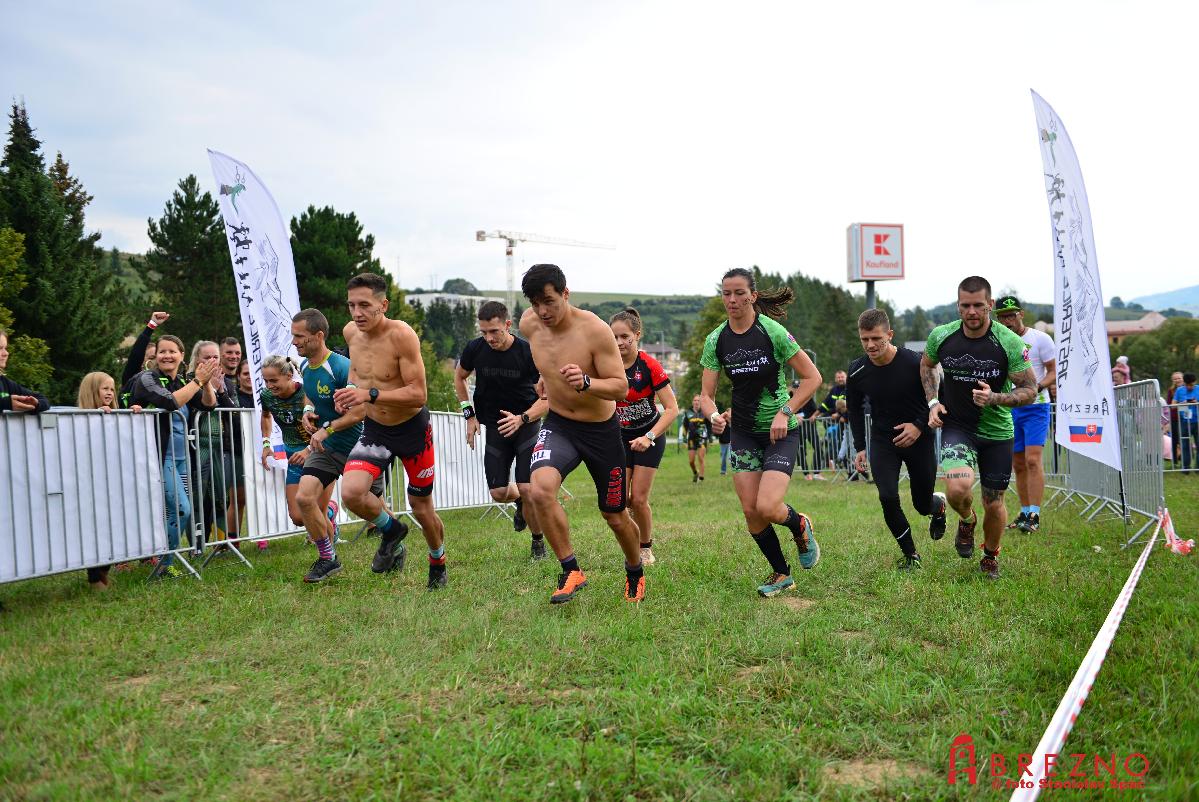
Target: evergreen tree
(191, 258)
(66, 302)
(459, 286)
(329, 249)
(918, 326)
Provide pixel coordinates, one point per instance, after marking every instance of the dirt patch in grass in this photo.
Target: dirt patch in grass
(130, 683)
(850, 635)
(745, 673)
(872, 773)
(798, 603)
(929, 646)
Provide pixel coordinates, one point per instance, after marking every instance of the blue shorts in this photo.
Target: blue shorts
(294, 472)
(1032, 426)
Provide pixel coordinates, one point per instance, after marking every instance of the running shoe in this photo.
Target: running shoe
(438, 577)
(694, 478)
(775, 584)
(391, 553)
(634, 594)
(322, 569)
(936, 525)
(809, 549)
(989, 566)
(1032, 523)
(908, 562)
(1019, 522)
(164, 571)
(647, 556)
(964, 542)
(537, 549)
(518, 520)
(262, 545)
(568, 586)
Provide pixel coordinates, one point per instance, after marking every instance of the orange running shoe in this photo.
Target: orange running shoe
(634, 594)
(568, 586)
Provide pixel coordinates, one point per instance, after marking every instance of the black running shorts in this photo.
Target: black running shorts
(752, 452)
(991, 460)
(650, 458)
(564, 443)
(500, 451)
(411, 442)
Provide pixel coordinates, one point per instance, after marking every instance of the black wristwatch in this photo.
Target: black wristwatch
(586, 383)
(524, 417)
(374, 395)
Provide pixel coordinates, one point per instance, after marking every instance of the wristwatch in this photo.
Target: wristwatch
(374, 395)
(586, 383)
(329, 429)
(524, 417)
(651, 437)
(787, 410)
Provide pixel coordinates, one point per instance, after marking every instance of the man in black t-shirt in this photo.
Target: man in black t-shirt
(698, 435)
(899, 431)
(507, 405)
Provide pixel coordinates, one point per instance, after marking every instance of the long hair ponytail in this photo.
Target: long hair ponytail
(772, 303)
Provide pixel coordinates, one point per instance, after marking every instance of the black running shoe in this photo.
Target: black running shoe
(391, 553)
(437, 577)
(694, 478)
(964, 542)
(322, 569)
(908, 562)
(518, 520)
(537, 549)
(989, 566)
(1019, 522)
(936, 525)
(1032, 523)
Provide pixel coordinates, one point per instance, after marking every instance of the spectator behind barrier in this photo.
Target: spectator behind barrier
(212, 446)
(14, 397)
(97, 391)
(164, 387)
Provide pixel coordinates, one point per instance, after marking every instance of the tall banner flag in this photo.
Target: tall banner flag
(1086, 407)
(263, 271)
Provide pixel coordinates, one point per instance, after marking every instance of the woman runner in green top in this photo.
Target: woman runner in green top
(752, 348)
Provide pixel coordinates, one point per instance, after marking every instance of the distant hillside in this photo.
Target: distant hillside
(1186, 299)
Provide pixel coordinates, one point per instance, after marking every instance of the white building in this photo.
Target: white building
(427, 299)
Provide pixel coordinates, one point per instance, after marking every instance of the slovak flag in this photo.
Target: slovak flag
(279, 450)
(1091, 433)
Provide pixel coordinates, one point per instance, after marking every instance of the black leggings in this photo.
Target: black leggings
(921, 461)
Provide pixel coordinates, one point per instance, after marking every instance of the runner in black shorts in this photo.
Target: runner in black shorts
(986, 373)
(752, 348)
(699, 431)
(641, 425)
(582, 377)
(506, 403)
(899, 433)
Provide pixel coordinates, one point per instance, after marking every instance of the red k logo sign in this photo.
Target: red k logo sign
(879, 247)
(962, 749)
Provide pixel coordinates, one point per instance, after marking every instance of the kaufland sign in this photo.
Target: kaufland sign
(875, 252)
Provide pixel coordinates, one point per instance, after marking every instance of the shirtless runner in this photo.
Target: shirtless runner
(388, 379)
(583, 376)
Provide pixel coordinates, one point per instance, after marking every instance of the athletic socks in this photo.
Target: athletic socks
(793, 522)
(538, 535)
(437, 555)
(1025, 511)
(569, 564)
(772, 550)
(992, 554)
(384, 522)
(1034, 509)
(648, 545)
(634, 573)
(324, 547)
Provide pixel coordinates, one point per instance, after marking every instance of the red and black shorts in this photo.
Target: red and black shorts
(411, 442)
(563, 443)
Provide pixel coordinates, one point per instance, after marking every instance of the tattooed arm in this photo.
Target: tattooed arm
(1024, 391)
(929, 379)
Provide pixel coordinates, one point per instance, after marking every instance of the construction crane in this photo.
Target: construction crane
(513, 237)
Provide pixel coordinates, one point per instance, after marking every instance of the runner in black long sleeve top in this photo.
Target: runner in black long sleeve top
(899, 432)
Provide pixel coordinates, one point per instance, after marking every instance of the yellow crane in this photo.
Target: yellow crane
(513, 237)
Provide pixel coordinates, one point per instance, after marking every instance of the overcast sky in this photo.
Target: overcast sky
(695, 137)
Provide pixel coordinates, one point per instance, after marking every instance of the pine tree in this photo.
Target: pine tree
(191, 259)
(66, 302)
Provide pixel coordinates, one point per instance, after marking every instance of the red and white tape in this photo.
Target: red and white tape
(1076, 695)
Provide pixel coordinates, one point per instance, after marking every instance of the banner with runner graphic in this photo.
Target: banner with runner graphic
(263, 271)
(1086, 406)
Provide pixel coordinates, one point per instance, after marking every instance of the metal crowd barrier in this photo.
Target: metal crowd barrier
(1180, 437)
(78, 489)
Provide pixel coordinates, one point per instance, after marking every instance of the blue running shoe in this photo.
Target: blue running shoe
(775, 584)
(809, 549)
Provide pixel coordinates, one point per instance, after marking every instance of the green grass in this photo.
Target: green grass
(251, 685)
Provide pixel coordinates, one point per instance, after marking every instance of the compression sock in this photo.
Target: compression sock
(772, 550)
(897, 522)
(385, 523)
(324, 547)
(793, 522)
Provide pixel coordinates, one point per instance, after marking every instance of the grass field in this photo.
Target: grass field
(251, 685)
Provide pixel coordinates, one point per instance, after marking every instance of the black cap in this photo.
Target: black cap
(1008, 303)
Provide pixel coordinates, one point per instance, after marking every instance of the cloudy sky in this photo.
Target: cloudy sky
(692, 136)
